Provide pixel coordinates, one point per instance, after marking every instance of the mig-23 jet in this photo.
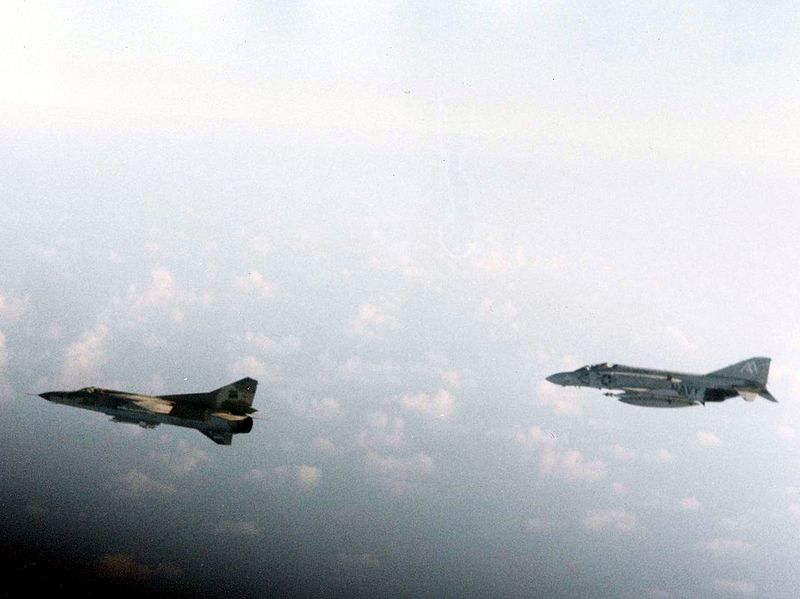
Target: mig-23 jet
(218, 414)
(665, 389)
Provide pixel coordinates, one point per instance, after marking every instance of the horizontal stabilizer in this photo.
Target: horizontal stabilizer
(221, 438)
(767, 395)
(751, 394)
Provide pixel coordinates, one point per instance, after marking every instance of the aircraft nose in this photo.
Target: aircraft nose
(47, 395)
(559, 378)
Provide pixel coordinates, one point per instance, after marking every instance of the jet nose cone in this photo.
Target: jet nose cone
(559, 378)
(46, 395)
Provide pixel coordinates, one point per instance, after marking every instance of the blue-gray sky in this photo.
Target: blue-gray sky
(399, 218)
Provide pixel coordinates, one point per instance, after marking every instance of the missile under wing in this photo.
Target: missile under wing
(666, 389)
(218, 414)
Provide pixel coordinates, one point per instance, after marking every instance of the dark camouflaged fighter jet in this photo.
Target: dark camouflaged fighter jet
(218, 414)
(665, 389)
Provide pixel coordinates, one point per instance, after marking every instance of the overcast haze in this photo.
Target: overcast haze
(400, 218)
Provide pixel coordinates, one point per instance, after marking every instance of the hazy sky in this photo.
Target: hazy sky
(400, 217)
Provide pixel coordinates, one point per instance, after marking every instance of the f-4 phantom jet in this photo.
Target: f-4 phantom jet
(665, 389)
(218, 414)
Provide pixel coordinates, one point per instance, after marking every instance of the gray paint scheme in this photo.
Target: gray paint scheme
(218, 414)
(666, 389)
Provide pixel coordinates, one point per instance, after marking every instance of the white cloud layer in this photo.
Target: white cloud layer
(708, 439)
(611, 519)
(741, 587)
(308, 477)
(690, 504)
(438, 405)
(238, 528)
(725, 546)
(12, 308)
(84, 357)
(136, 483)
(254, 282)
(567, 464)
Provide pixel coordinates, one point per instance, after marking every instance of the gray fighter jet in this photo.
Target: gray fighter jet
(218, 414)
(664, 389)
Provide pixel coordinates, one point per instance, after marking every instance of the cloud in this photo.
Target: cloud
(534, 437)
(256, 475)
(534, 524)
(452, 377)
(382, 431)
(183, 460)
(501, 316)
(742, 587)
(744, 521)
(386, 465)
(662, 456)
(571, 466)
(358, 368)
(126, 566)
(323, 445)
(163, 295)
(621, 520)
(440, 404)
(238, 528)
(374, 318)
(619, 489)
(690, 504)
(136, 484)
(161, 291)
(382, 440)
(725, 546)
(493, 261)
(794, 511)
(12, 308)
(5, 389)
(83, 358)
(274, 344)
(254, 282)
(708, 439)
(326, 408)
(397, 256)
(785, 432)
(247, 366)
(301, 476)
(399, 475)
(369, 316)
(681, 339)
(307, 477)
(622, 453)
(567, 464)
(561, 400)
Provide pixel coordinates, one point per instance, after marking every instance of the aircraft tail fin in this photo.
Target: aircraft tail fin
(236, 397)
(753, 369)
